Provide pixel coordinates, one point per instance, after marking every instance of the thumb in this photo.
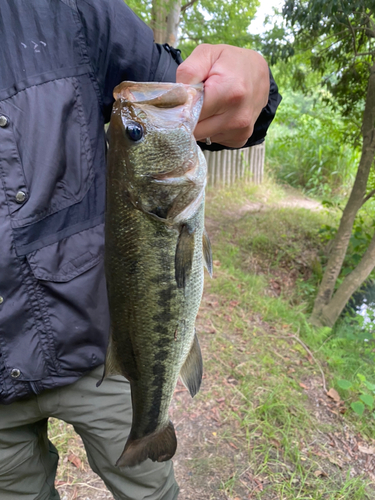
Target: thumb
(196, 68)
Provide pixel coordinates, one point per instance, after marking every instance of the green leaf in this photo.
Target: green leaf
(367, 399)
(369, 385)
(358, 407)
(344, 384)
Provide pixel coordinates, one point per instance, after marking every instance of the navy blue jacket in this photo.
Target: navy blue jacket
(59, 63)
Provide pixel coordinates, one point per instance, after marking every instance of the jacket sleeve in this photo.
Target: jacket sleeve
(120, 46)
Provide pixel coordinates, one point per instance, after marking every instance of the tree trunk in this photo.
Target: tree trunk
(165, 20)
(351, 283)
(341, 241)
(173, 21)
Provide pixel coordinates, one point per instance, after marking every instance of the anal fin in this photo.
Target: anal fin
(192, 370)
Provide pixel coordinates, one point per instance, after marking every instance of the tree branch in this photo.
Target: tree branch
(361, 54)
(368, 196)
(326, 49)
(370, 31)
(353, 37)
(187, 5)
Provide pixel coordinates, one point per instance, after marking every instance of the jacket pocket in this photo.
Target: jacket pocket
(68, 258)
(51, 149)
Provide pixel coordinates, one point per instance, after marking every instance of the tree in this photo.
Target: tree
(192, 22)
(339, 37)
(165, 20)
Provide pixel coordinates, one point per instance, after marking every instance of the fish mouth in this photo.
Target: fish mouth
(159, 94)
(160, 101)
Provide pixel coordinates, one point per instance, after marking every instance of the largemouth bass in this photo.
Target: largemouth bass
(156, 247)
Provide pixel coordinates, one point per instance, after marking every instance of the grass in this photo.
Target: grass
(263, 427)
(277, 414)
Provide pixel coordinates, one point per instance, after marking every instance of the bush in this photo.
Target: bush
(306, 147)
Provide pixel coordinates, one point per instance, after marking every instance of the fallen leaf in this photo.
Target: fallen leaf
(234, 303)
(232, 380)
(303, 385)
(233, 446)
(318, 473)
(73, 459)
(336, 461)
(368, 451)
(333, 394)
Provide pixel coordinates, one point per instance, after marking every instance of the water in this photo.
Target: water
(362, 303)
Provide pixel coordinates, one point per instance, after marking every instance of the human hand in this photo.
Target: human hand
(236, 89)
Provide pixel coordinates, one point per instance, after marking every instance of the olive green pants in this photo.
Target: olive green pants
(102, 417)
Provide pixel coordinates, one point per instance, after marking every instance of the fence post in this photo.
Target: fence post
(227, 166)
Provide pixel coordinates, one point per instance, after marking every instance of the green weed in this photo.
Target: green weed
(306, 147)
(258, 350)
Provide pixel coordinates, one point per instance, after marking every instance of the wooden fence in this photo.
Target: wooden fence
(225, 167)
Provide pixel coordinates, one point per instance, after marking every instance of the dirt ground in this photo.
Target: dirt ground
(204, 459)
(212, 448)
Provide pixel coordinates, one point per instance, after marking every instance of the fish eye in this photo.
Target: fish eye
(134, 131)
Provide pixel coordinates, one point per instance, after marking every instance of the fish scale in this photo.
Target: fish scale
(155, 251)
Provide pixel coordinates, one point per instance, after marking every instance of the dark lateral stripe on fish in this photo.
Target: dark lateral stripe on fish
(159, 372)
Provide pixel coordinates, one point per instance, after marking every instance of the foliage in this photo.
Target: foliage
(328, 41)
(207, 21)
(340, 34)
(305, 146)
(363, 232)
(217, 21)
(142, 8)
(363, 390)
(338, 39)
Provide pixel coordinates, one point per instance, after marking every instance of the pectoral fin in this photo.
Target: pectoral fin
(184, 256)
(192, 370)
(207, 253)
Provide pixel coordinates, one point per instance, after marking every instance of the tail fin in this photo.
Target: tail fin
(159, 446)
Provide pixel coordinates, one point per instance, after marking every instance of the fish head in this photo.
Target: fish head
(151, 132)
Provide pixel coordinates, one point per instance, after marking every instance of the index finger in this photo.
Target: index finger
(196, 68)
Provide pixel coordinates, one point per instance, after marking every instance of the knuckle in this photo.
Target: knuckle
(243, 134)
(237, 93)
(243, 124)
